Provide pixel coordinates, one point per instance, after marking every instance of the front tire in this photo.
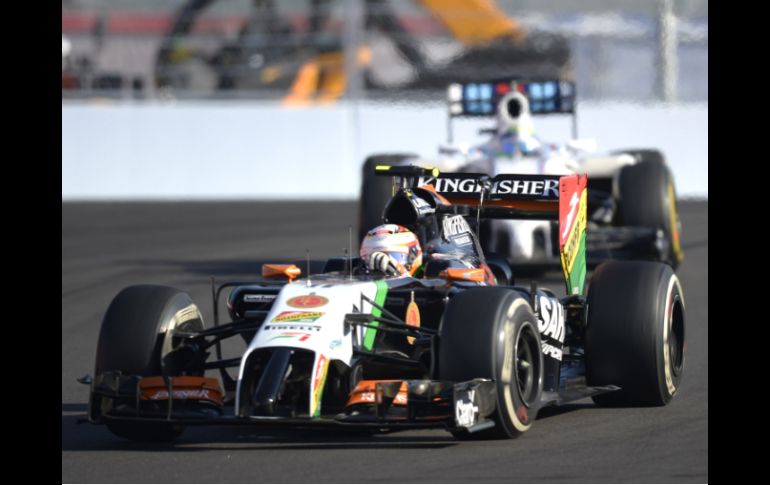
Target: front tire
(492, 333)
(636, 333)
(137, 338)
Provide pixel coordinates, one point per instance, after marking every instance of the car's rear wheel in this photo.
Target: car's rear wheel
(647, 198)
(636, 333)
(137, 338)
(492, 333)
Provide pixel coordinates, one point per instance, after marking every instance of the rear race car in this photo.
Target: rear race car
(460, 348)
(632, 207)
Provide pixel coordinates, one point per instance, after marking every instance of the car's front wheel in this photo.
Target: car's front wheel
(492, 333)
(137, 338)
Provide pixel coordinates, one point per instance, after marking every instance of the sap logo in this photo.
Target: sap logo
(551, 321)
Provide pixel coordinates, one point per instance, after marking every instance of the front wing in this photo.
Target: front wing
(394, 405)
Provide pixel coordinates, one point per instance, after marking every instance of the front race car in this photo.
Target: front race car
(459, 347)
(321, 356)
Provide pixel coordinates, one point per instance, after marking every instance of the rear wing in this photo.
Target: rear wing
(515, 196)
(480, 99)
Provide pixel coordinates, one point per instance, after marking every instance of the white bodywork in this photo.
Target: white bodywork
(318, 328)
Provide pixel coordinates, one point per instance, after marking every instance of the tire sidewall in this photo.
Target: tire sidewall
(136, 343)
(631, 310)
(669, 378)
(514, 327)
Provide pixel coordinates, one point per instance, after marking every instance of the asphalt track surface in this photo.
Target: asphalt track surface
(108, 246)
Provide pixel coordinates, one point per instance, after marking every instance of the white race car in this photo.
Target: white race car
(632, 208)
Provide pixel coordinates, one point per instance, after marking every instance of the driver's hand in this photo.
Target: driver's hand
(382, 262)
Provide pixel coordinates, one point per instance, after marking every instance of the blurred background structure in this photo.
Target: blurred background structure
(170, 98)
(268, 49)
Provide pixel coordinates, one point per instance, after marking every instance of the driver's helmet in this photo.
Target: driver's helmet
(392, 249)
(515, 127)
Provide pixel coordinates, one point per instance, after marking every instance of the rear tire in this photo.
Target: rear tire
(647, 198)
(492, 333)
(636, 333)
(376, 191)
(136, 338)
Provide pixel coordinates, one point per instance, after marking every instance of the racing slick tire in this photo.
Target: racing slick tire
(635, 336)
(376, 191)
(136, 338)
(492, 333)
(647, 198)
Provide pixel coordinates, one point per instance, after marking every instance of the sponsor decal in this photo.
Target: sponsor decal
(303, 336)
(466, 411)
(463, 240)
(292, 316)
(307, 301)
(421, 206)
(551, 351)
(551, 321)
(258, 298)
(454, 226)
(303, 328)
(367, 397)
(335, 343)
(545, 188)
(533, 186)
(181, 394)
(573, 206)
(318, 383)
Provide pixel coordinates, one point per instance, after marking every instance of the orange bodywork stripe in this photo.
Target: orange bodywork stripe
(183, 387)
(529, 205)
(366, 393)
(464, 274)
(431, 188)
(290, 271)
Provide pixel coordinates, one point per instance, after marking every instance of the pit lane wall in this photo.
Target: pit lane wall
(251, 150)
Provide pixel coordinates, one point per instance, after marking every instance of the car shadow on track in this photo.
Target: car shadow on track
(78, 435)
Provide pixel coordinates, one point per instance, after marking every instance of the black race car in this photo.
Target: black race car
(460, 348)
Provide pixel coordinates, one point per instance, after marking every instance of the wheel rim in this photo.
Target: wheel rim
(676, 337)
(187, 319)
(526, 366)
